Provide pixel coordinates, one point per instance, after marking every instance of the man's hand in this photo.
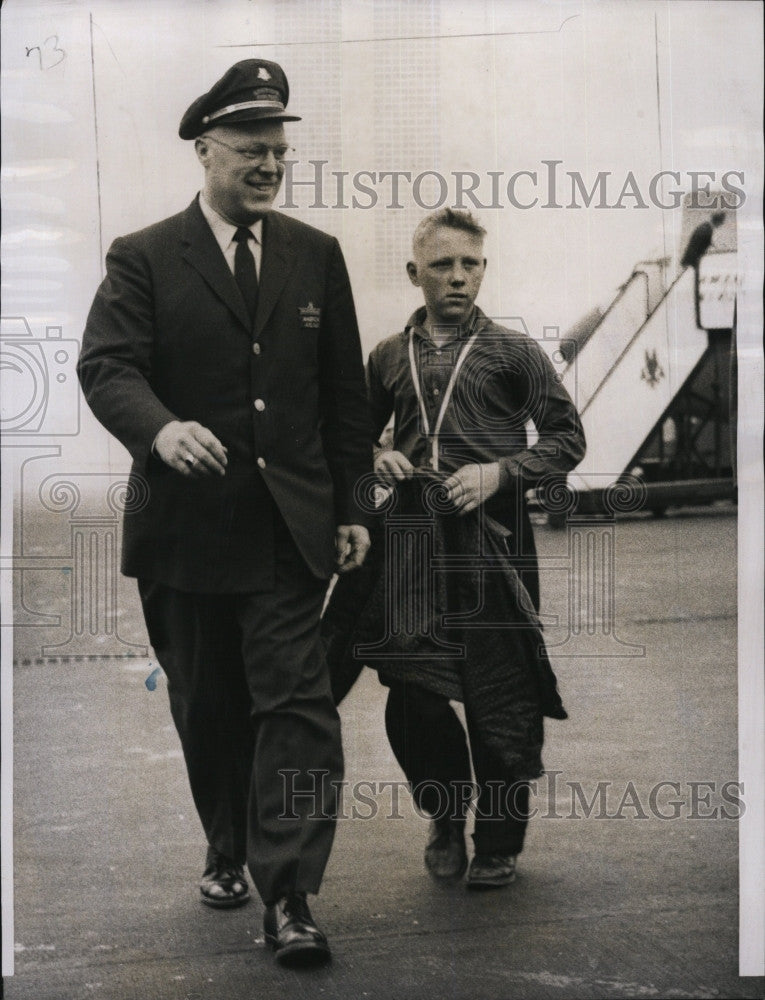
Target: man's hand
(191, 449)
(351, 546)
(472, 485)
(392, 467)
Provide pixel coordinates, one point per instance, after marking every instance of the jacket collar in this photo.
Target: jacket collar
(202, 251)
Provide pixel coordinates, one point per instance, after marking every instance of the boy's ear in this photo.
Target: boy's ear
(411, 270)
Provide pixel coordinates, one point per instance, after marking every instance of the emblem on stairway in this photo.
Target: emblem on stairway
(652, 372)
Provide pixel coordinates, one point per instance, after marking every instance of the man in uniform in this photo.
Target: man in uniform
(222, 350)
(462, 390)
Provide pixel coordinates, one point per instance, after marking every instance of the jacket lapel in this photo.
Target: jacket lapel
(203, 253)
(276, 264)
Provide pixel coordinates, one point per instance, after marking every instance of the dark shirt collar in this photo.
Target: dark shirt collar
(417, 320)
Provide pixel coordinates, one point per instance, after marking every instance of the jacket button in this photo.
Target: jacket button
(256, 348)
(261, 463)
(260, 405)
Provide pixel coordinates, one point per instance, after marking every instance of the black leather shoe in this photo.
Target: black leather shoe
(290, 930)
(491, 871)
(445, 855)
(223, 884)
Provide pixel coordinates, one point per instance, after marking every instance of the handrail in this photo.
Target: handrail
(617, 298)
(632, 340)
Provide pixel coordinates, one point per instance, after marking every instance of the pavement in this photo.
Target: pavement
(626, 902)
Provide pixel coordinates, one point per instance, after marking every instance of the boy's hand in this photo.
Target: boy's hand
(472, 485)
(392, 467)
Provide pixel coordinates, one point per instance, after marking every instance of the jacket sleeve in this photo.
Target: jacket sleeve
(561, 444)
(116, 358)
(380, 399)
(346, 427)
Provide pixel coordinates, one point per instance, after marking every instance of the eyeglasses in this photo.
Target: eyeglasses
(257, 153)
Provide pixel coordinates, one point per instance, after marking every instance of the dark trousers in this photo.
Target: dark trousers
(250, 698)
(431, 747)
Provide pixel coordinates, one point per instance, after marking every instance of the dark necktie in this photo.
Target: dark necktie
(244, 270)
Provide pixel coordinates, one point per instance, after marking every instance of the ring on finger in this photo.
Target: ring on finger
(189, 460)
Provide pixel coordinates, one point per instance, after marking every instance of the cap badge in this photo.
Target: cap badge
(263, 73)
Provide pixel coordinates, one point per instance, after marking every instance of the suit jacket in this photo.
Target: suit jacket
(168, 337)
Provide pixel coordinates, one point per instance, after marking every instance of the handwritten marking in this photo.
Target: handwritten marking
(46, 51)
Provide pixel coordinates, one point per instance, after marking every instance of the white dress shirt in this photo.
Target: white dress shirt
(223, 231)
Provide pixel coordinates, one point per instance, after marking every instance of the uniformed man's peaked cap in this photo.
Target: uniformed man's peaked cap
(252, 90)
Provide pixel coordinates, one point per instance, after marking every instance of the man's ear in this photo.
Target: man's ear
(411, 270)
(202, 149)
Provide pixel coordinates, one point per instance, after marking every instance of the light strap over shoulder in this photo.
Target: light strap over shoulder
(447, 395)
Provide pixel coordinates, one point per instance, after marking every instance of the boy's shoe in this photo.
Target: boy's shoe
(491, 871)
(445, 855)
